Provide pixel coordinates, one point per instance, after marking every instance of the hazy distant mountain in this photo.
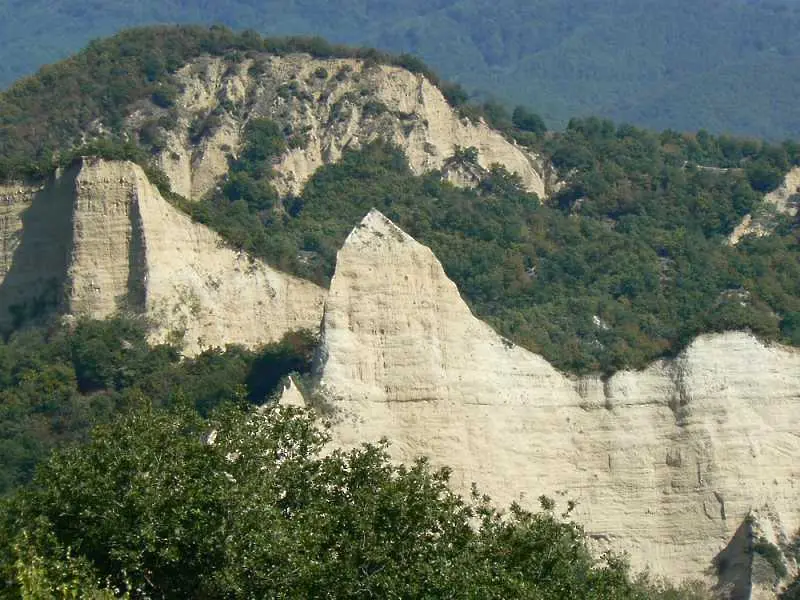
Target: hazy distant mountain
(724, 65)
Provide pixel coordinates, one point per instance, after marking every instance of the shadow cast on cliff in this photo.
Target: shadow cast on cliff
(34, 287)
(732, 566)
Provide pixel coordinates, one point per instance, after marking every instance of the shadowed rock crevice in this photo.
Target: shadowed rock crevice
(136, 299)
(733, 565)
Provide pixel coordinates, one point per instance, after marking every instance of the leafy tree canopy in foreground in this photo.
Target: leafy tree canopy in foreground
(245, 505)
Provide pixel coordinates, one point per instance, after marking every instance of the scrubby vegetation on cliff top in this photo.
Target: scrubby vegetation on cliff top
(625, 264)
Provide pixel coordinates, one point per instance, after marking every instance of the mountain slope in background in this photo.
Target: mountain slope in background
(722, 65)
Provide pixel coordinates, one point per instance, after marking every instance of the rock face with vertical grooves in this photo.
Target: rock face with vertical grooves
(665, 463)
(329, 106)
(104, 239)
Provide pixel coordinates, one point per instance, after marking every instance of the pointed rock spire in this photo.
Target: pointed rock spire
(393, 316)
(664, 463)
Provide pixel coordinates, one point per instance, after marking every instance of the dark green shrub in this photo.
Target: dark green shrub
(772, 555)
(763, 176)
(165, 96)
(373, 108)
(525, 120)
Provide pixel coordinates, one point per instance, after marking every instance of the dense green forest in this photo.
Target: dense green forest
(636, 240)
(57, 382)
(728, 66)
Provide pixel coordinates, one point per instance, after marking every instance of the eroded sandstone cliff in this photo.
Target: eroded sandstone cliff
(102, 237)
(325, 106)
(687, 465)
(666, 463)
(786, 197)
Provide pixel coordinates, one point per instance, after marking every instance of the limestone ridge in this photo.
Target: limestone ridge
(117, 245)
(665, 463)
(328, 106)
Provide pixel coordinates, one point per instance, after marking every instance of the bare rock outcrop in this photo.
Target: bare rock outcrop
(665, 463)
(117, 245)
(785, 200)
(326, 106)
(291, 396)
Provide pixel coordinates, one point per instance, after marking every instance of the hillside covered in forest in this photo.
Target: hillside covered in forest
(724, 66)
(626, 261)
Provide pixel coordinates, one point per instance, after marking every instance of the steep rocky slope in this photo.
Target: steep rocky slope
(665, 463)
(98, 238)
(325, 106)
